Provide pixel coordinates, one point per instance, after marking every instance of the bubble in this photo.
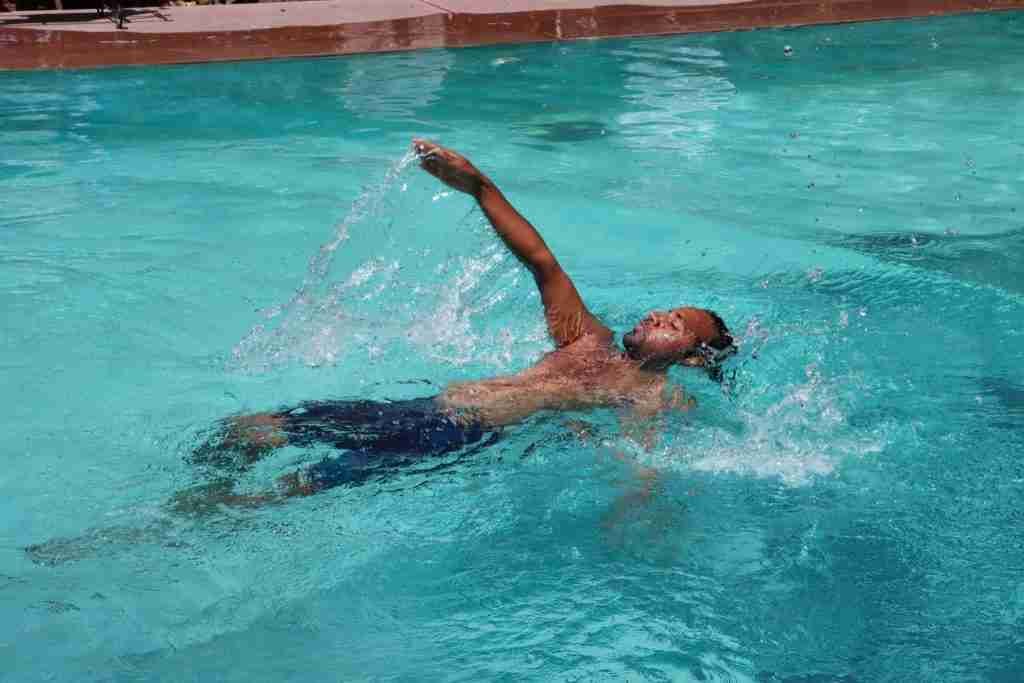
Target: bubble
(788, 51)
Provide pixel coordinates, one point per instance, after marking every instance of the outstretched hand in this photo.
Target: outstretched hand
(449, 167)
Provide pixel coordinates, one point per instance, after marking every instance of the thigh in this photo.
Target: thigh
(382, 426)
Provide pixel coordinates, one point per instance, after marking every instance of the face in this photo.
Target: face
(667, 336)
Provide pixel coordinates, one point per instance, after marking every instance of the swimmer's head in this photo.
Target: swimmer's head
(694, 337)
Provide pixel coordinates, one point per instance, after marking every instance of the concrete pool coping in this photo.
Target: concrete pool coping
(314, 28)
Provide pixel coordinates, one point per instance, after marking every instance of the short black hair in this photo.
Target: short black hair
(723, 338)
(723, 344)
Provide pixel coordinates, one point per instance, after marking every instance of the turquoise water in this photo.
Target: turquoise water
(180, 244)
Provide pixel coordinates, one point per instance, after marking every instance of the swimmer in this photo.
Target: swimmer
(586, 370)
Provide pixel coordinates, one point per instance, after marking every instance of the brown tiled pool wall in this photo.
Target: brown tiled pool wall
(35, 45)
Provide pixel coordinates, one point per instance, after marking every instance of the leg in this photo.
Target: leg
(240, 441)
(257, 433)
(350, 469)
(379, 437)
(205, 499)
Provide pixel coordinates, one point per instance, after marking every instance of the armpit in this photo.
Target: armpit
(565, 327)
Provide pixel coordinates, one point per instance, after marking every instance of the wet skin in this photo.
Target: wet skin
(590, 372)
(586, 370)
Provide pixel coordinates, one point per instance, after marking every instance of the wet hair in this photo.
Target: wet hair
(716, 351)
(723, 340)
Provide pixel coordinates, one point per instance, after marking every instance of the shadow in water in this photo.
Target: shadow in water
(107, 540)
(558, 132)
(769, 677)
(993, 259)
(1009, 394)
(1009, 399)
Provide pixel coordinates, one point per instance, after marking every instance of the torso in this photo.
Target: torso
(589, 373)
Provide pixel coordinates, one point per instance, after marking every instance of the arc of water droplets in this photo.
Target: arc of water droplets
(303, 303)
(366, 204)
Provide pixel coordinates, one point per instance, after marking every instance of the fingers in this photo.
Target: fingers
(431, 163)
(447, 166)
(432, 157)
(424, 148)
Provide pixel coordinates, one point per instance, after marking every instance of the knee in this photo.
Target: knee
(261, 431)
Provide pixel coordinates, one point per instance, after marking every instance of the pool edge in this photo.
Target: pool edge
(35, 47)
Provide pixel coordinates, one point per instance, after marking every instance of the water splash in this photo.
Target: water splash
(794, 439)
(387, 299)
(476, 286)
(796, 431)
(306, 327)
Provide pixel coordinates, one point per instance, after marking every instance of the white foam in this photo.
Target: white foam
(800, 436)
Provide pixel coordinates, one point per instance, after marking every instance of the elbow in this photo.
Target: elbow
(544, 266)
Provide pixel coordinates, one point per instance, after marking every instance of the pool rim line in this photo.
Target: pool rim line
(169, 54)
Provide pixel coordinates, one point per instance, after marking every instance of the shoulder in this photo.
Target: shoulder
(592, 345)
(580, 330)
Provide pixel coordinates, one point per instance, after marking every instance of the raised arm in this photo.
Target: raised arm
(567, 316)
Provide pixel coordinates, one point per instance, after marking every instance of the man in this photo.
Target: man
(586, 370)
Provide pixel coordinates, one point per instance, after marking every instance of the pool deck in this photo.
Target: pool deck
(175, 35)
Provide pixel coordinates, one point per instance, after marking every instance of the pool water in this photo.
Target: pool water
(181, 244)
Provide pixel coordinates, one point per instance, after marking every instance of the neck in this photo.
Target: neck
(647, 366)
